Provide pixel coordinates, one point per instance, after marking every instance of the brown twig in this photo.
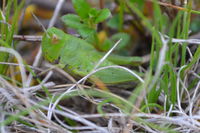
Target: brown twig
(101, 4)
(170, 5)
(4, 5)
(28, 38)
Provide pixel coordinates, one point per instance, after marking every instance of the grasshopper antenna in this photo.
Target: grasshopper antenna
(38, 21)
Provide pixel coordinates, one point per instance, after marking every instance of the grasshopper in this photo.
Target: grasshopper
(78, 57)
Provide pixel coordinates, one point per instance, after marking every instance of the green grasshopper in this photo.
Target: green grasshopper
(79, 58)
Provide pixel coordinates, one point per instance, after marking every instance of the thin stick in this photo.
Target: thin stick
(32, 38)
(101, 4)
(176, 7)
(4, 6)
(15, 64)
(28, 38)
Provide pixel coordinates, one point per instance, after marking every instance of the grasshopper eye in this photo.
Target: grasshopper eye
(55, 39)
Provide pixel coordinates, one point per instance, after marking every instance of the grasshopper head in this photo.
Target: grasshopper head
(52, 44)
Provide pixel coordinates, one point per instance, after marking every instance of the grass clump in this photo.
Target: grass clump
(164, 98)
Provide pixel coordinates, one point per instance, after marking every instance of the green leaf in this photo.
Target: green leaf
(125, 40)
(102, 15)
(114, 22)
(108, 44)
(93, 13)
(139, 2)
(73, 21)
(85, 32)
(82, 8)
(195, 25)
